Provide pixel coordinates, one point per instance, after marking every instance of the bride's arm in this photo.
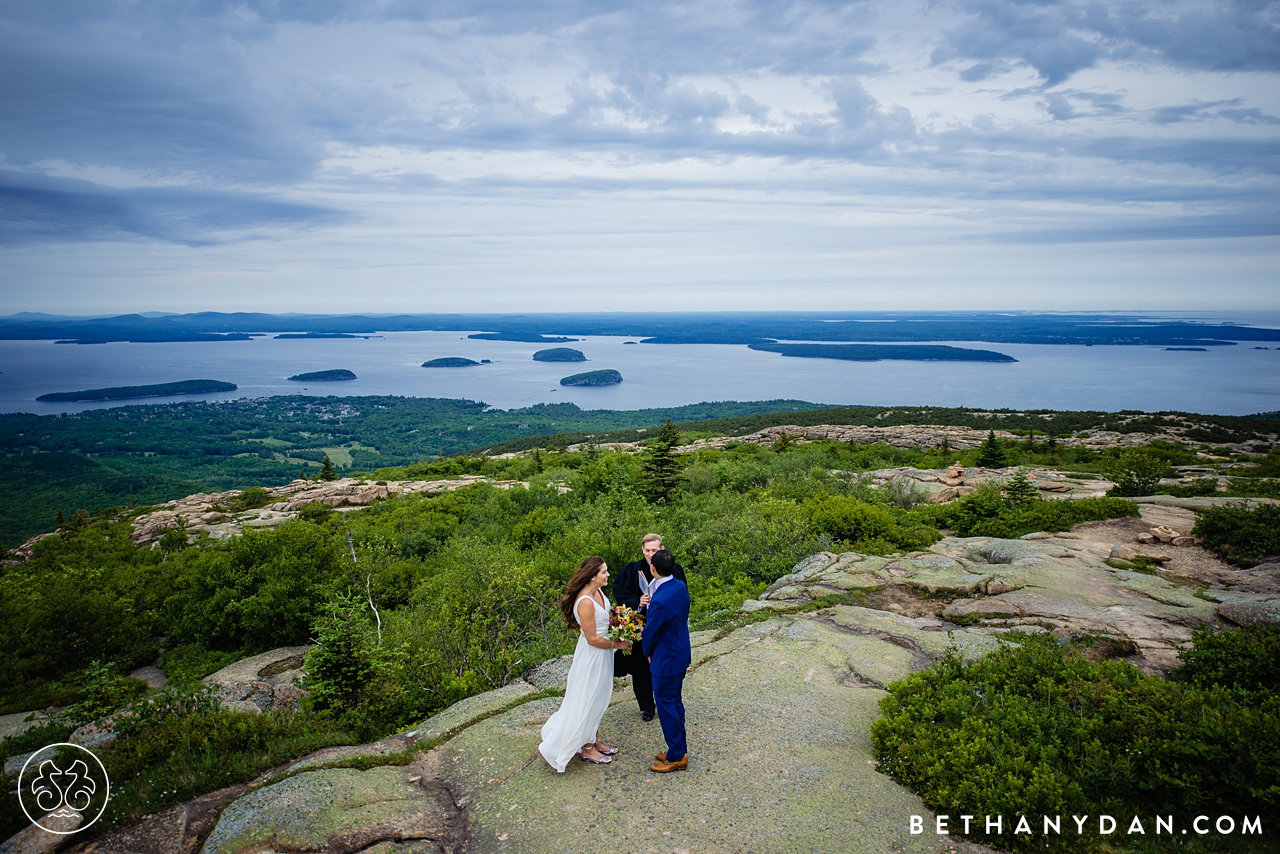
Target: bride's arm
(587, 619)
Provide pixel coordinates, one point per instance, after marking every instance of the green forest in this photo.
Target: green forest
(135, 455)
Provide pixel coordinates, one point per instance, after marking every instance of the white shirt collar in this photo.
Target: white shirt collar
(658, 581)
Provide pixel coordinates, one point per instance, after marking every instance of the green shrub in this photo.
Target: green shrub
(866, 527)
(1244, 535)
(483, 615)
(985, 512)
(189, 663)
(260, 591)
(249, 499)
(1245, 658)
(727, 534)
(712, 600)
(1136, 472)
(1036, 729)
(850, 520)
(102, 691)
(1254, 487)
(86, 595)
(316, 513)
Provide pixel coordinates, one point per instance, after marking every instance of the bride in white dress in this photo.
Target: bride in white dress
(574, 728)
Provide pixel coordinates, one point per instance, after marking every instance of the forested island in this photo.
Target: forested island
(132, 392)
(336, 375)
(559, 354)
(605, 377)
(878, 352)
(296, 336)
(450, 362)
(667, 327)
(523, 337)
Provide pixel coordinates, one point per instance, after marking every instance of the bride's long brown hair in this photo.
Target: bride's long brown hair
(586, 571)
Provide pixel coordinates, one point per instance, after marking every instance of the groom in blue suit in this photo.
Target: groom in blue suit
(665, 643)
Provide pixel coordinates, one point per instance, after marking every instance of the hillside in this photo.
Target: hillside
(149, 453)
(779, 707)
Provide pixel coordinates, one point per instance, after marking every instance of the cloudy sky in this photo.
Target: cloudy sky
(574, 154)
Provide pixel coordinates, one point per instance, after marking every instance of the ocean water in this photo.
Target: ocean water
(1230, 380)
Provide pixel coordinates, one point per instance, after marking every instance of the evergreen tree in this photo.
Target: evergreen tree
(1021, 489)
(326, 470)
(661, 468)
(783, 442)
(537, 460)
(992, 455)
(302, 473)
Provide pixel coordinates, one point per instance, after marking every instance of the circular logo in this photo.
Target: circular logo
(63, 788)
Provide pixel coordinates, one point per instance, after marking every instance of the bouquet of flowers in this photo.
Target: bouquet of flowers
(625, 624)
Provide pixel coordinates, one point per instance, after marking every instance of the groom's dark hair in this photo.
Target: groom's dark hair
(663, 563)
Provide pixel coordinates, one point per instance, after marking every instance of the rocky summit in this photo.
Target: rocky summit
(779, 711)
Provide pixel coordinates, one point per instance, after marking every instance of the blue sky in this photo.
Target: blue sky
(560, 155)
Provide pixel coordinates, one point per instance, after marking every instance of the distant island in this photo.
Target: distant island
(1188, 349)
(155, 337)
(559, 354)
(525, 337)
(130, 392)
(449, 362)
(1080, 328)
(606, 377)
(323, 376)
(286, 336)
(878, 352)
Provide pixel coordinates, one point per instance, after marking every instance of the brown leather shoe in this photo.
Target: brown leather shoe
(665, 767)
(661, 757)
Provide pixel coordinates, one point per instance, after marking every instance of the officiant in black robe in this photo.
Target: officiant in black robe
(629, 585)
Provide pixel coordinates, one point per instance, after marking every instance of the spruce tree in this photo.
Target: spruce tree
(1021, 489)
(661, 468)
(992, 455)
(326, 470)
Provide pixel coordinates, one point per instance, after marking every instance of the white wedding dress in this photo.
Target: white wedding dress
(586, 696)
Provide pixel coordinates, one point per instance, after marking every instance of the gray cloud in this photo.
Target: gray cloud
(203, 123)
(1058, 39)
(38, 209)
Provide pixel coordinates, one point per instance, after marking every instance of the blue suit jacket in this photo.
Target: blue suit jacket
(666, 630)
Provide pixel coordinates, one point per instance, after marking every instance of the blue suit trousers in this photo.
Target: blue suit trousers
(668, 695)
